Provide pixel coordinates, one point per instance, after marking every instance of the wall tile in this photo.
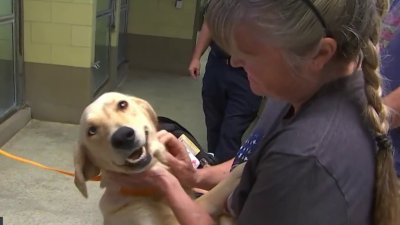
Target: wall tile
(51, 33)
(39, 53)
(82, 36)
(71, 56)
(69, 13)
(37, 11)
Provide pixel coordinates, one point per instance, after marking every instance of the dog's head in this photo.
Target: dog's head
(117, 133)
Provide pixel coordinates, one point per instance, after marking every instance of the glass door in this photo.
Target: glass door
(104, 22)
(123, 30)
(10, 55)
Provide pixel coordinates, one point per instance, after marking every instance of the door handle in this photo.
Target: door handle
(96, 65)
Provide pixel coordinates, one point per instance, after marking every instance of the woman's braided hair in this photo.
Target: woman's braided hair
(386, 205)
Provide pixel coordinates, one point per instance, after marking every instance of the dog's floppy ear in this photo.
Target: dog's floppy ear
(84, 169)
(147, 108)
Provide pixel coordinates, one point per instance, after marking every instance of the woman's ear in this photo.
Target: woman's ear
(325, 52)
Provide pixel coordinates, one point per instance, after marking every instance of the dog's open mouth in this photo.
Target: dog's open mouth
(140, 157)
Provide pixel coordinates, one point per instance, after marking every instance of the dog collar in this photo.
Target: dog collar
(146, 192)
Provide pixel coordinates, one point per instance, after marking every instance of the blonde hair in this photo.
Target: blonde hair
(355, 25)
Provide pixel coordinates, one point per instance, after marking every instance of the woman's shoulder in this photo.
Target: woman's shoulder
(332, 130)
(332, 118)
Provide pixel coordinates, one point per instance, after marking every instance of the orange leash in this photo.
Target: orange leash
(124, 191)
(30, 162)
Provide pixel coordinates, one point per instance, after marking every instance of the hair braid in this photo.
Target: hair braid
(375, 111)
(387, 196)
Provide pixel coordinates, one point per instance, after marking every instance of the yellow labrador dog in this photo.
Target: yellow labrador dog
(118, 134)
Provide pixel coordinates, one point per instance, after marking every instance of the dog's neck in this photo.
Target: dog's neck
(127, 191)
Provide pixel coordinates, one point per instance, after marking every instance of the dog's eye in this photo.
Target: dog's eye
(122, 105)
(92, 131)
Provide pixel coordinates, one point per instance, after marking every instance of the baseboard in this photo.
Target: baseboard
(13, 124)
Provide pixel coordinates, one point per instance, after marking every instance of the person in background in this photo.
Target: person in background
(229, 105)
(390, 57)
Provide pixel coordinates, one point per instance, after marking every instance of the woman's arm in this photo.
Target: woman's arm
(201, 46)
(202, 43)
(206, 178)
(185, 209)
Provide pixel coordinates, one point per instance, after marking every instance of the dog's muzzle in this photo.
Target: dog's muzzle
(124, 138)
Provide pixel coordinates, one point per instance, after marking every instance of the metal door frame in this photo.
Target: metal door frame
(16, 19)
(124, 8)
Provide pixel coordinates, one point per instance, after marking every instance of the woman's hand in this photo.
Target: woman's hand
(160, 179)
(178, 159)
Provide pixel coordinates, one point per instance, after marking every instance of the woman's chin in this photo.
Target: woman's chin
(257, 90)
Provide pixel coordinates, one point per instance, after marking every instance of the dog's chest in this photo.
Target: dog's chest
(135, 210)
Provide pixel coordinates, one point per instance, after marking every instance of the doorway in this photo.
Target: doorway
(10, 58)
(104, 23)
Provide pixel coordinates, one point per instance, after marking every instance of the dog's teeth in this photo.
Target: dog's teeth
(133, 161)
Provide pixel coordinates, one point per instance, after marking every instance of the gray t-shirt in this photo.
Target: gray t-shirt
(313, 168)
(264, 123)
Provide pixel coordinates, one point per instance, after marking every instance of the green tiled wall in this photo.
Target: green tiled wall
(59, 32)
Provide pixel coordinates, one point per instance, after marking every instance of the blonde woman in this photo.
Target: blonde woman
(326, 159)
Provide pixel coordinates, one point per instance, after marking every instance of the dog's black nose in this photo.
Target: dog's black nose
(123, 138)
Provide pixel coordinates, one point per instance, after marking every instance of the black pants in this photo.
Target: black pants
(229, 106)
